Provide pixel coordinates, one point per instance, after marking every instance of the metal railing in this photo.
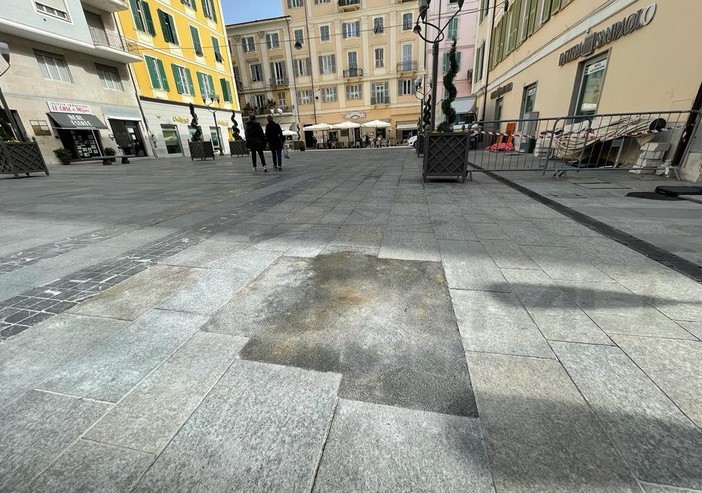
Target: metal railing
(279, 81)
(353, 72)
(638, 142)
(380, 99)
(407, 66)
(349, 3)
(107, 39)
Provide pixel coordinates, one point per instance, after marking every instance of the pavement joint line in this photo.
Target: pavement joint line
(540, 358)
(73, 396)
(318, 462)
(670, 260)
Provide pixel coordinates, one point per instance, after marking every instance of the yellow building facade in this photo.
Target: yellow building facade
(333, 61)
(186, 61)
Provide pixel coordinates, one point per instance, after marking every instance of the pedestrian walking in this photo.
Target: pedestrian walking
(275, 138)
(256, 141)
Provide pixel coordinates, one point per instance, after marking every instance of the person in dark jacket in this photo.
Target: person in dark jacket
(255, 141)
(275, 138)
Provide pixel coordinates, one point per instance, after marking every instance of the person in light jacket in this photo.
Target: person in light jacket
(275, 138)
(256, 141)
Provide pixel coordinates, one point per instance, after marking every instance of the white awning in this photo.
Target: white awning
(406, 126)
(464, 105)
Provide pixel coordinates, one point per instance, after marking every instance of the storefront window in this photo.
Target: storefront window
(591, 87)
(170, 135)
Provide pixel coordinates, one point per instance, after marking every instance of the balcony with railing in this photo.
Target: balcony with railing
(112, 46)
(350, 73)
(380, 100)
(107, 5)
(407, 66)
(349, 5)
(279, 82)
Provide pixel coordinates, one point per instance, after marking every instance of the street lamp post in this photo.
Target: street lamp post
(209, 102)
(440, 36)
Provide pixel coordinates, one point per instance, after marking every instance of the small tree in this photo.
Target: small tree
(451, 92)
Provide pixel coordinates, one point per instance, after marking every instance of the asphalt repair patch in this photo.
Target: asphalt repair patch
(386, 325)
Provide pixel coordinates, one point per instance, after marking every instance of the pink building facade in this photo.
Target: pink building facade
(463, 28)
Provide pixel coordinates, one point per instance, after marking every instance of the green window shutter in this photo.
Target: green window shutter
(214, 10)
(164, 27)
(178, 81)
(531, 17)
(191, 86)
(211, 86)
(171, 24)
(555, 6)
(146, 10)
(215, 48)
(226, 91)
(164, 78)
(546, 13)
(196, 40)
(153, 72)
(138, 22)
(458, 59)
(201, 83)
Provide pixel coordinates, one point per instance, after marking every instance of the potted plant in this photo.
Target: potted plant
(445, 151)
(64, 155)
(109, 151)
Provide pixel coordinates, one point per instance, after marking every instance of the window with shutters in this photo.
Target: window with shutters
(189, 3)
(216, 50)
(54, 8)
(278, 73)
(294, 4)
(453, 28)
(247, 44)
(53, 67)
(272, 40)
(446, 64)
(484, 6)
(197, 45)
(304, 97)
(157, 73)
(226, 90)
(352, 57)
(378, 25)
(322, 1)
(407, 21)
(545, 8)
(256, 72)
(329, 94)
(354, 92)
(530, 21)
(350, 29)
(206, 85)
(183, 80)
(109, 77)
(324, 33)
(479, 62)
(379, 57)
(327, 64)
(380, 93)
(514, 21)
(260, 100)
(405, 87)
(208, 8)
(168, 26)
(141, 13)
(299, 38)
(282, 99)
(302, 67)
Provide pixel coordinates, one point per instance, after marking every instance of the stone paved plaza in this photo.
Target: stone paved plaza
(336, 327)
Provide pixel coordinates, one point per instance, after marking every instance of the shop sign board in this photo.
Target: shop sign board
(501, 90)
(594, 41)
(61, 107)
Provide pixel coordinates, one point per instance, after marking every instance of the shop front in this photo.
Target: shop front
(77, 128)
(126, 125)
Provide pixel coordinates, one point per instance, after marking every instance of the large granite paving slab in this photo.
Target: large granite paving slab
(153, 412)
(540, 433)
(262, 428)
(36, 429)
(676, 366)
(109, 371)
(619, 311)
(508, 255)
(469, 266)
(562, 263)
(657, 440)
(210, 291)
(90, 467)
(404, 245)
(34, 355)
(497, 323)
(556, 315)
(137, 295)
(376, 448)
(386, 325)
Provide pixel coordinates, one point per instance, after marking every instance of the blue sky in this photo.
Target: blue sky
(249, 10)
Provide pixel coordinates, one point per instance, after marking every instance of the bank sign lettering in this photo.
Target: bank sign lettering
(597, 40)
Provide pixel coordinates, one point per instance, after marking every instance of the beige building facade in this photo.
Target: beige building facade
(584, 57)
(337, 60)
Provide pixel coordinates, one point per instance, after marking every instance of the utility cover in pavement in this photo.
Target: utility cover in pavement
(386, 325)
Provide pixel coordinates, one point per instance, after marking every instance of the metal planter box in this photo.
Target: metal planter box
(238, 147)
(201, 150)
(445, 156)
(21, 157)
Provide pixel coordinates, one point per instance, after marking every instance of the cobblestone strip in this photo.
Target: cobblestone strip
(36, 305)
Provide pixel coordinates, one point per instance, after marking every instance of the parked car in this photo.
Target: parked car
(412, 141)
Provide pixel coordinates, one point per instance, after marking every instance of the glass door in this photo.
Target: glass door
(591, 87)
